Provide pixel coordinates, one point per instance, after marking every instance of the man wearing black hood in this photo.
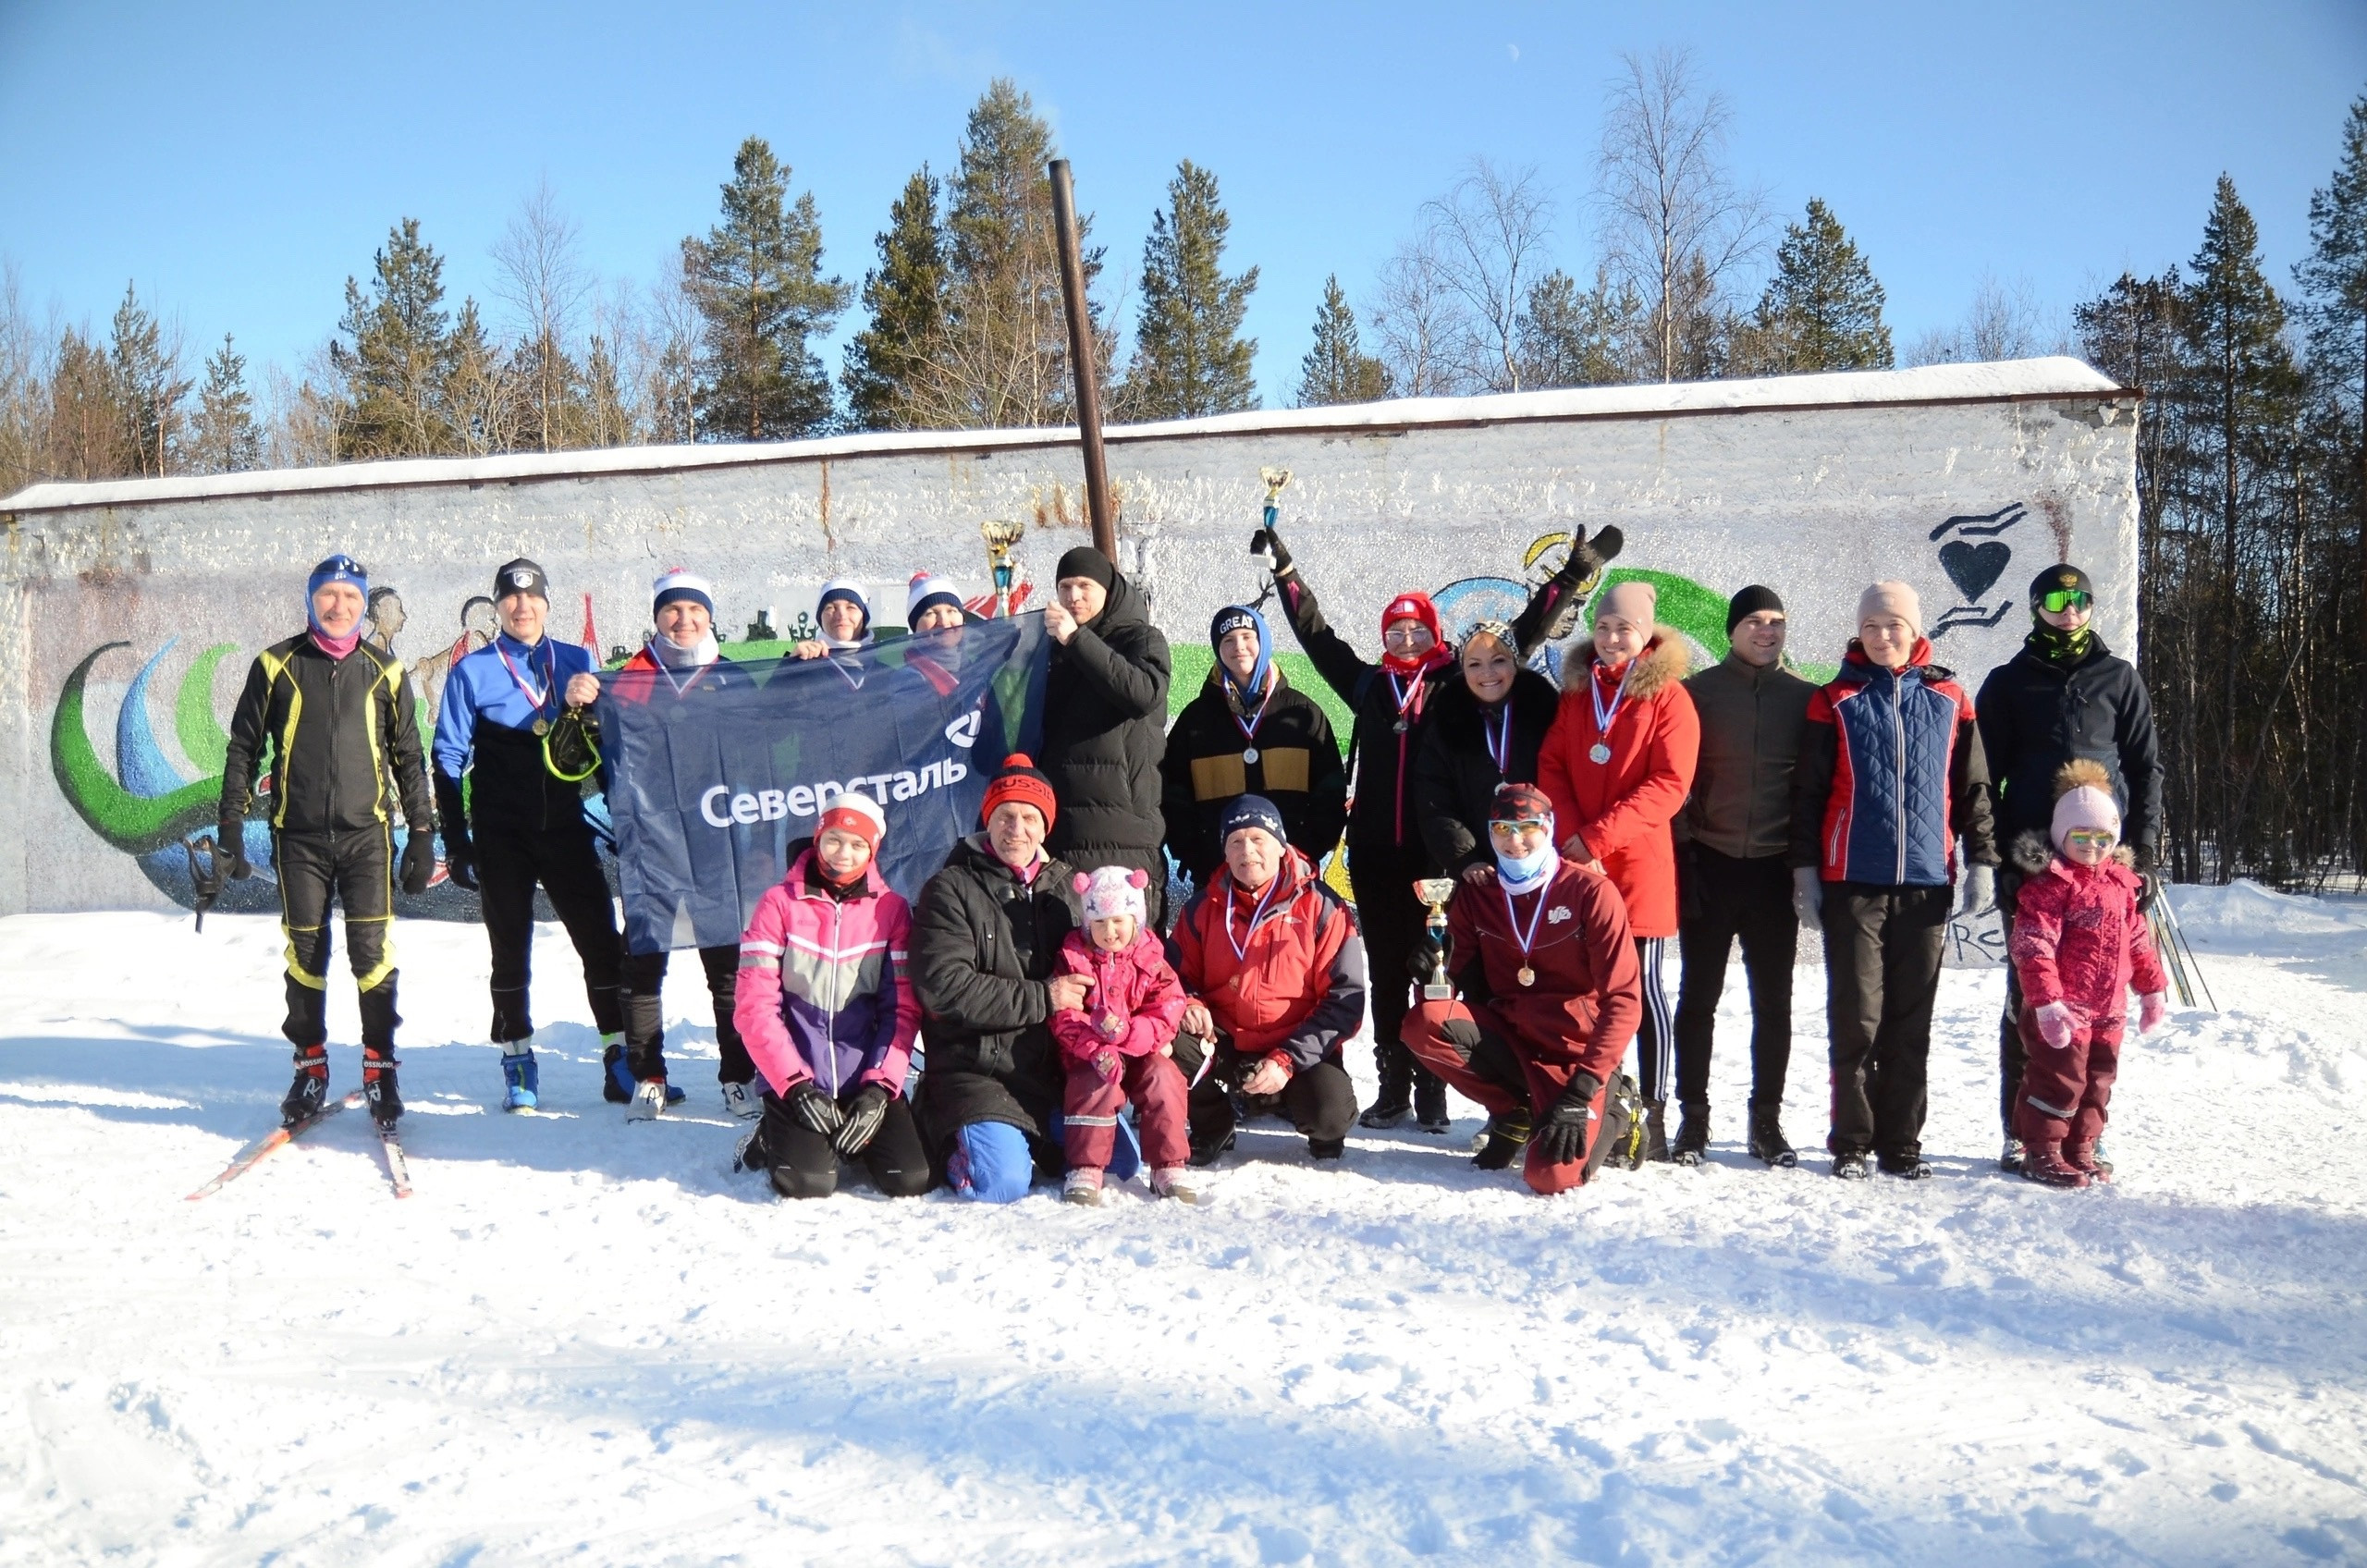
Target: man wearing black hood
(2064, 696)
(1105, 722)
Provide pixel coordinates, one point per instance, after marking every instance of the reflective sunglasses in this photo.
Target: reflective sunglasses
(2090, 838)
(2065, 599)
(1495, 825)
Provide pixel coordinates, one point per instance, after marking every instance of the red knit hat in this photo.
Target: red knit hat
(1020, 780)
(1414, 606)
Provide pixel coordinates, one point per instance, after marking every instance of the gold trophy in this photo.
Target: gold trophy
(1001, 536)
(1274, 478)
(1435, 891)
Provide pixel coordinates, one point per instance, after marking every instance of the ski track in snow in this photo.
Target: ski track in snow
(590, 1340)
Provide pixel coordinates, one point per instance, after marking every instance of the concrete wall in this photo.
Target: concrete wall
(1962, 479)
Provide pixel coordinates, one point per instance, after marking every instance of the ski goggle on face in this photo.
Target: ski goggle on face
(1498, 825)
(2064, 599)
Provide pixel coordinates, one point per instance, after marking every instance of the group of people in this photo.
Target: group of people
(1520, 854)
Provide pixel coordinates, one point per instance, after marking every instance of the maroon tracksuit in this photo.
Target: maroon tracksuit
(1111, 1052)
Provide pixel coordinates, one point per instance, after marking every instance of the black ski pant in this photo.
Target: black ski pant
(1881, 973)
(1727, 898)
(2013, 1057)
(510, 861)
(806, 1164)
(355, 870)
(1392, 921)
(644, 988)
(1320, 1101)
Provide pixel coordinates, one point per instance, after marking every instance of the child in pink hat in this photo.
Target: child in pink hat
(1117, 1047)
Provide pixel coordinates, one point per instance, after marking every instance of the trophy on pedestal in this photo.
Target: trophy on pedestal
(1001, 536)
(1435, 891)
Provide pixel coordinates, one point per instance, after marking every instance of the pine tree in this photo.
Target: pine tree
(2334, 280)
(1005, 359)
(607, 418)
(85, 418)
(889, 359)
(1190, 358)
(756, 279)
(224, 438)
(1569, 338)
(1823, 309)
(1336, 369)
(484, 400)
(396, 355)
(148, 387)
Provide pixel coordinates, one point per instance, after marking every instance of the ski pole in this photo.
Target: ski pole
(2177, 934)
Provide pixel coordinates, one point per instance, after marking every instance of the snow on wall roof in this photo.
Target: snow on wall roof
(2003, 381)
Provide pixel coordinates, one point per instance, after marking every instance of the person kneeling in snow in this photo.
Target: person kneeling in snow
(826, 1012)
(2079, 942)
(1551, 995)
(1277, 975)
(1117, 1043)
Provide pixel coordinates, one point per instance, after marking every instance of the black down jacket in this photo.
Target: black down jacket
(1299, 768)
(983, 945)
(1105, 723)
(2037, 713)
(1456, 775)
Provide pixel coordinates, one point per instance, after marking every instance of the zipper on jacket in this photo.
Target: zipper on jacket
(1898, 743)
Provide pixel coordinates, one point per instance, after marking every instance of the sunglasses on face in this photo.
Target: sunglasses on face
(2065, 599)
(1512, 826)
(2089, 838)
(1404, 634)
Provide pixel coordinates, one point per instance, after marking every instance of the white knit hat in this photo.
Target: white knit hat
(928, 589)
(1111, 891)
(681, 584)
(855, 812)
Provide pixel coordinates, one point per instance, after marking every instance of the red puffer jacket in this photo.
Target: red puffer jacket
(2079, 937)
(1283, 976)
(1135, 1003)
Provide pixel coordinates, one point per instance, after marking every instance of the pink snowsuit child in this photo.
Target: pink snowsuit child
(1115, 1049)
(2079, 942)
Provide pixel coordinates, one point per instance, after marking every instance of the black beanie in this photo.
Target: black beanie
(2059, 578)
(521, 576)
(1087, 561)
(1750, 601)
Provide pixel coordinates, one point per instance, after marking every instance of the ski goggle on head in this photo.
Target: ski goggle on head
(2062, 599)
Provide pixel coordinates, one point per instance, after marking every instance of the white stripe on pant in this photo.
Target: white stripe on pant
(1655, 1032)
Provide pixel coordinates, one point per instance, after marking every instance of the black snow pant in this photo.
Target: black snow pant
(1320, 1101)
(1392, 921)
(2012, 1055)
(645, 988)
(1882, 974)
(355, 869)
(510, 861)
(1729, 898)
(806, 1164)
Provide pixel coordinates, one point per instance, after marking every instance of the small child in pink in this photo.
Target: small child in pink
(1118, 1046)
(2079, 942)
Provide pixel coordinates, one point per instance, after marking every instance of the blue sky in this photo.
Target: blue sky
(238, 161)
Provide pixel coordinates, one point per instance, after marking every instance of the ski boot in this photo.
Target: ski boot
(1767, 1139)
(739, 1102)
(1505, 1135)
(310, 1093)
(1083, 1186)
(1429, 1106)
(521, 1080)
(619, 1087)
(379, 1088)
(650, 1097)
(1395, 1103)
(1692, 1133)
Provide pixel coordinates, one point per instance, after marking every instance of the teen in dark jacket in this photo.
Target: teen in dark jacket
(1890, 776)
(1484, 730)
(1393, 700)
(2065, 697)
(339, 718)
(1105, 722)
(1250, 732)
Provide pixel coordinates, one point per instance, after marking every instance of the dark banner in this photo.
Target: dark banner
(709, 780)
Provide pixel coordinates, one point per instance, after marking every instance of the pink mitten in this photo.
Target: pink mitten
(2152, 1011)
(2055, 1025)
(1105, 1061)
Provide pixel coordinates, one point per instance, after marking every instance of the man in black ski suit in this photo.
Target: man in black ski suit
(339, 718)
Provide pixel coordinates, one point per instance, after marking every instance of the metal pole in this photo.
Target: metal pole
(1081, 361)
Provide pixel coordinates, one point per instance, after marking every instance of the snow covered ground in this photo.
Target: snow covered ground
(590, 1342)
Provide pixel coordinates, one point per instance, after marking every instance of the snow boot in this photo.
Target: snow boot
(2044, 1163)
(1175, 1182)
(1852, 1166)
(1396, 1102)
(1692, 1132)
(521, 1080)
(379, 1088)
(649, 1098)
(1430, 1105)
(740, 1103)
(2009, 1159)
(617, 1084)
(1321, 1149)
(1506, 1135)
(1767, 1141)
(1905, 1167)
(311, 1090)
(1656, 1132)
(2083, 1158)
(1083, 1186)
(1206, 1153)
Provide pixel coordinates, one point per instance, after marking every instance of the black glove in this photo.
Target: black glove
(1587, 557)
(1427, 961)
(460, 863)
(863, 1116)
(452, 817)
(1560, 1136)
(1268, 545)
(815, 1108)
(2148, 890)
(419, 861)
(761, 1150)
(230, 850)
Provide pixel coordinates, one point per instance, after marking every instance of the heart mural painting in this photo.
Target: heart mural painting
(1974, 568)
